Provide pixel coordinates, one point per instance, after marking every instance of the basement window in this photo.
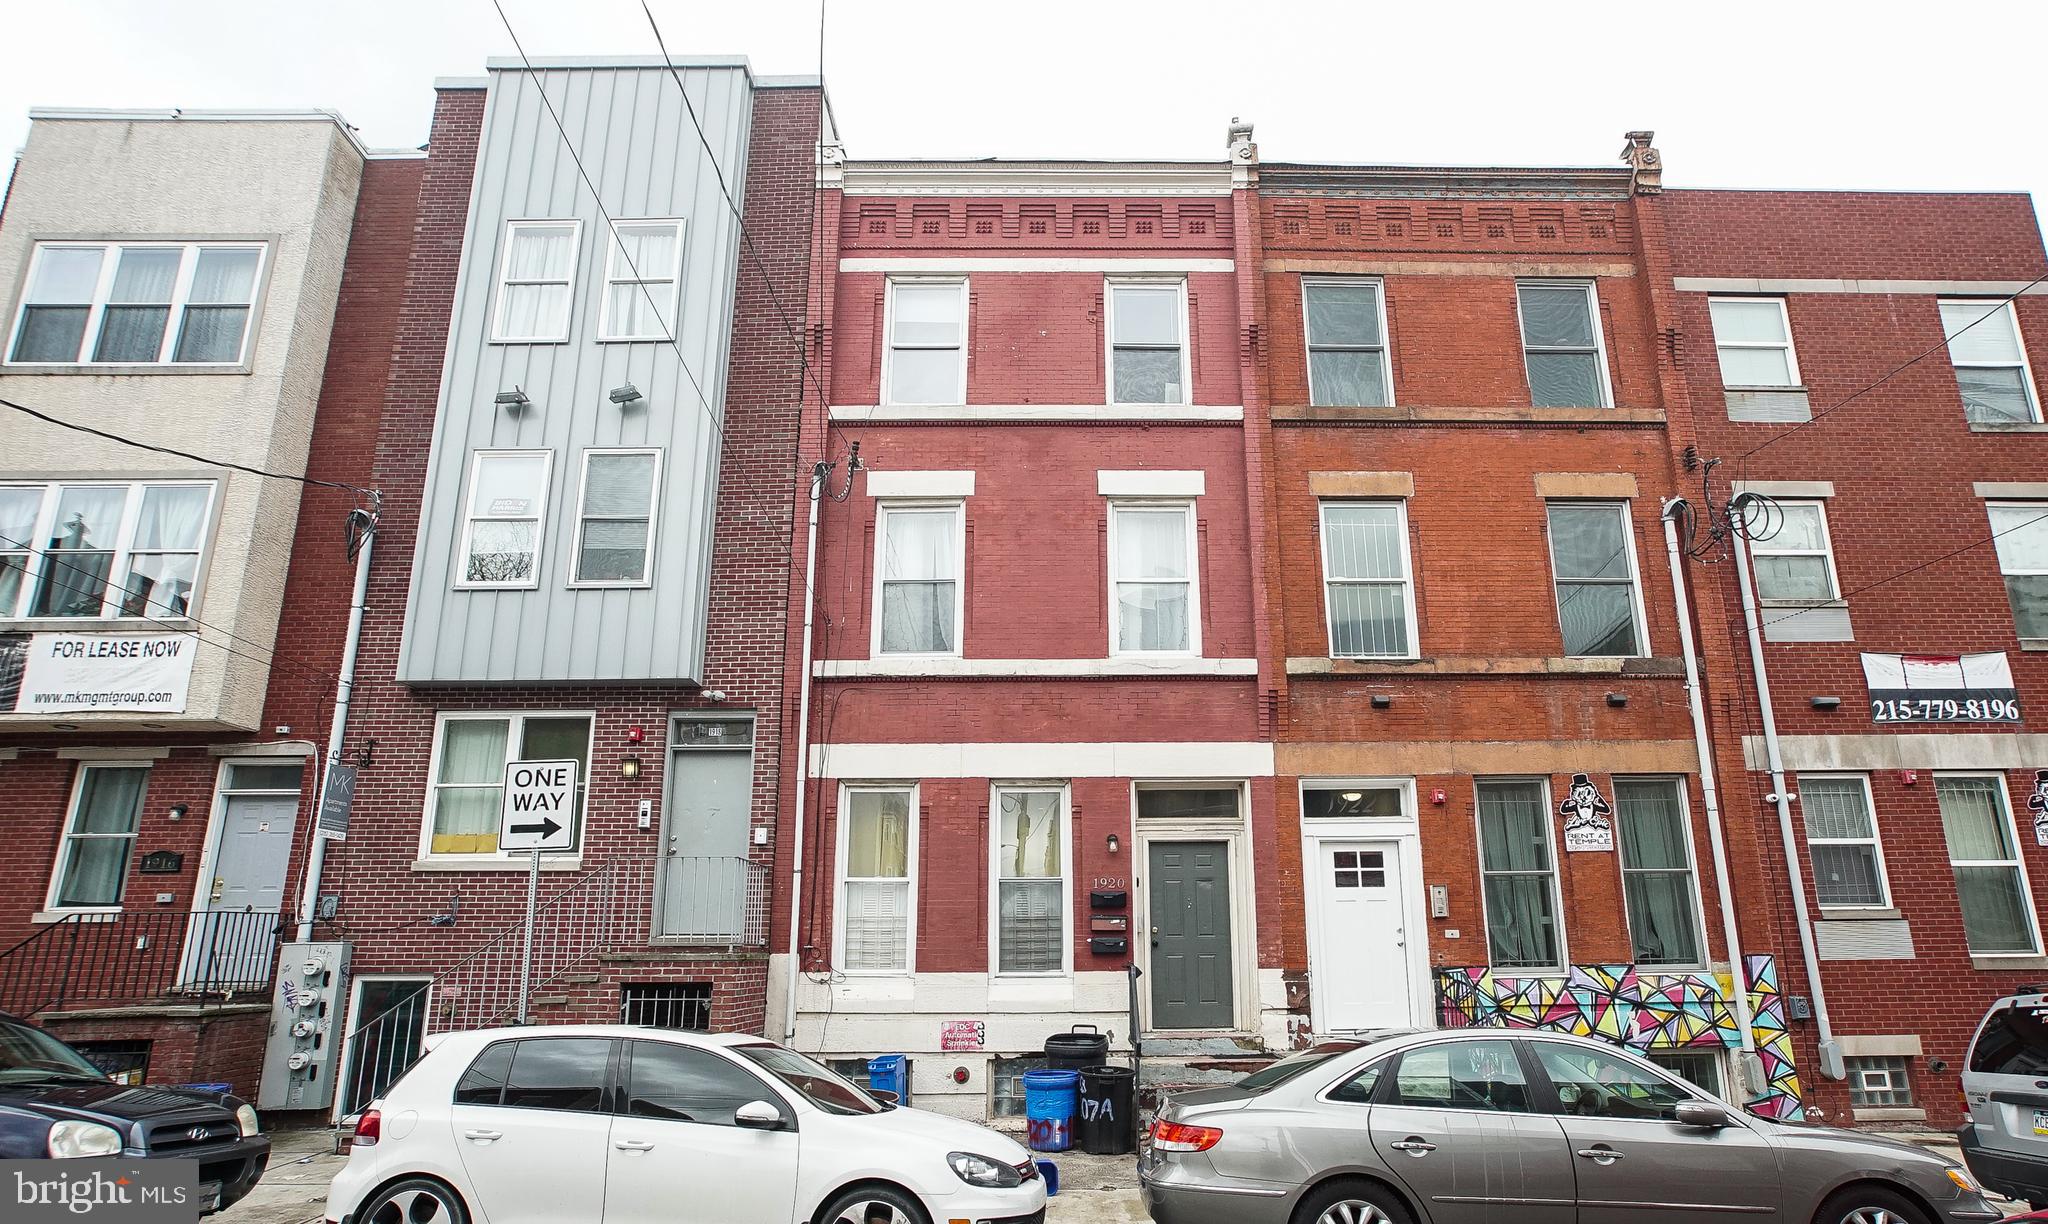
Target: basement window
(1006, 1084)
(670, 1005)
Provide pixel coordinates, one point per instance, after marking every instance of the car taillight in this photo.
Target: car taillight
(369, 1128)
(1180, 1137)
(1966, 1110)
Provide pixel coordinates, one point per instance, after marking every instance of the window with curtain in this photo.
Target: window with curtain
(1152, 567)
(2021, 534)
(1518, 876)
(1990, 886)
(469, 777)
(1754, 339)
(1990, 363)
(138, 304)
(128, 550)
(1656, 872)
(1561, 345)
(918, 572)
(927, 357)
(614, 536)
(1796, 563)
(534, 281)
(1366, 579)
(1347, 350)
(1031, 930)
(1594, 564)
(1147, 343)
(643, 269)
(508, 497)
(876, 832)
(1841, 838)
(92, 864)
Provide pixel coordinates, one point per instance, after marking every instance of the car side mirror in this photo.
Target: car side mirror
(1703, 1114)
(758, 1115)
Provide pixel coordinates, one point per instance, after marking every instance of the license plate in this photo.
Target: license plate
(2041, 1121)
(209, 1197)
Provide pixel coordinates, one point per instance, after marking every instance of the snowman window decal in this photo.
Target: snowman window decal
(1586, 812)
(2037, 803)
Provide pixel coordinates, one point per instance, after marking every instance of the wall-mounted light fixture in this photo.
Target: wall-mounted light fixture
(625, 394)
(1113, 843)
(629, 767)
(1381, 701)
(1617, 700)
(515, 400)
(1825, 703)
(178, 811)
(1352, 796)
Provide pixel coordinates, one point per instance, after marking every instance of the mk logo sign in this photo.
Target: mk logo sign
(109, 1192)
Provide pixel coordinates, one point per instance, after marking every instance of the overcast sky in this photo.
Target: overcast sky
(1784, 94)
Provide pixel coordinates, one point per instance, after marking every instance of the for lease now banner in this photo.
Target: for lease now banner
(81, 673)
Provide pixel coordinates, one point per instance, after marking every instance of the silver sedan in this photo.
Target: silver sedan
(1482, 1126)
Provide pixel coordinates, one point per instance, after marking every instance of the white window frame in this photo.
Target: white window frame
(2019, 341)
(1790, 349)
(1563, 925)
(996, 877)
(889, 345)
(515, 732)
(1309, 345)
(1194, 578)
(1592, 291)
(2037, 510)
(66, 836)
(1400, 505)
(469, 520)
(841, 831)
(181, 292)
(883, 509)
(38, 559)
(2018, 862)
(1110, 285)
(1875, 841)
(1626, 509)
(576, 542)
(512, 226)
(1692, 863)
(1766, 548)
(617, 272)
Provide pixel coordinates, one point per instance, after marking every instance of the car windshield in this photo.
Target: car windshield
(818, 1085)
(28, 1053)
(1295, 1064)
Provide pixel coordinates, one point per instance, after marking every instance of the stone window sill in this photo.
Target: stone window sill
(1890, 1114)
(1992, 964)
(1453, 665)
(483, 863)
(1840, 914)
(83, 915)
(2005, 427)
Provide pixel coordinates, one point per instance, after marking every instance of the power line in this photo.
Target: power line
(1871, 586)
(169, 450)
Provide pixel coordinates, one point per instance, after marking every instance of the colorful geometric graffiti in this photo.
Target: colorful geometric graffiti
(1643, 1011)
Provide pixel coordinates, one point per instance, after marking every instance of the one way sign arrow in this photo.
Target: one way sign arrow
(540, 805)
(545, 829)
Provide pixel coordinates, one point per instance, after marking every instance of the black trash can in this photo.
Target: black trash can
(1105, 1123)
(1075, 1049)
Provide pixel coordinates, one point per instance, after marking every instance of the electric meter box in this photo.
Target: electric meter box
(308, 1008)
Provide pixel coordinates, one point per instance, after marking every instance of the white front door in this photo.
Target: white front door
(1361, 965)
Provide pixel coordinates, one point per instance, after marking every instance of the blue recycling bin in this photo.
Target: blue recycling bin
(891, 1073)
(1051, 1099)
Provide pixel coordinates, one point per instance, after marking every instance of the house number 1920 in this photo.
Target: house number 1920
(1108, 882)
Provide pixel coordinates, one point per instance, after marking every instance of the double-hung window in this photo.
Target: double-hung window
(917, 579)
(878, 861)
(501, 532)
(615, 517)
(1519, 876)
(1841, 837)
(1030, 874)
(470, 755)
(1369, 594)
(2021, 532)
(1153, 605)
(1991, 885)
(926, 360)
(92, 862)
(1656, 872)
(643, 267)
(1347, 346)
(1561, 344)
(1797, 563)
(534, 278)
(1148, 342)
(1592, 555)
(1754, 339)
(137, 304)
(127, 549)
(1990, 362)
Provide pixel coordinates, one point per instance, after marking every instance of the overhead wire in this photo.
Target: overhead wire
(1911, 570)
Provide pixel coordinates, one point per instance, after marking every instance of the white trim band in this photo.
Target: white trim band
(2012, 490)
(1765, 284)
(1122, 665)
(920, 484)
(137, 753)
(1046, 263)
(1151, 484)
(1145, 760)
(993, 413)
(1787, 488)
(1964, 751)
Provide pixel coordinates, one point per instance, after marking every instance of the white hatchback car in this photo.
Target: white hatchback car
(626, 1125)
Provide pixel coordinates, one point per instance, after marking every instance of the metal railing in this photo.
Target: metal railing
(145, 956)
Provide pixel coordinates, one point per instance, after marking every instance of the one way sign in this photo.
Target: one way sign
(540, 806)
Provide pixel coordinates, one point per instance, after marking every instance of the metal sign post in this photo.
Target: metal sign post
(536, 793)
(526, 941)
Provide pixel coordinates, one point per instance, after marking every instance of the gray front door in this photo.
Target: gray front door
(232, 939)
(706, 881)
(1187, 887)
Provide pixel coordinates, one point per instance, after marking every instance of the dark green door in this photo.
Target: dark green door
(1188, 887)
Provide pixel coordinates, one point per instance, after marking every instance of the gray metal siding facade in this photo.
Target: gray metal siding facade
(630, 129)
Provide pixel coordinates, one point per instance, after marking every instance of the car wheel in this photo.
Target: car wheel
(873, 1205)
(1352, 1202)
(1870, 1205)
(415, 1200)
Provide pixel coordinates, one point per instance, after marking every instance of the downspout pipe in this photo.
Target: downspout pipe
(1710, 795)
(1781, 796)
(337, 724)
(803, 759)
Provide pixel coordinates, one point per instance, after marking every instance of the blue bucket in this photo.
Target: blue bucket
(1051, 1099)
